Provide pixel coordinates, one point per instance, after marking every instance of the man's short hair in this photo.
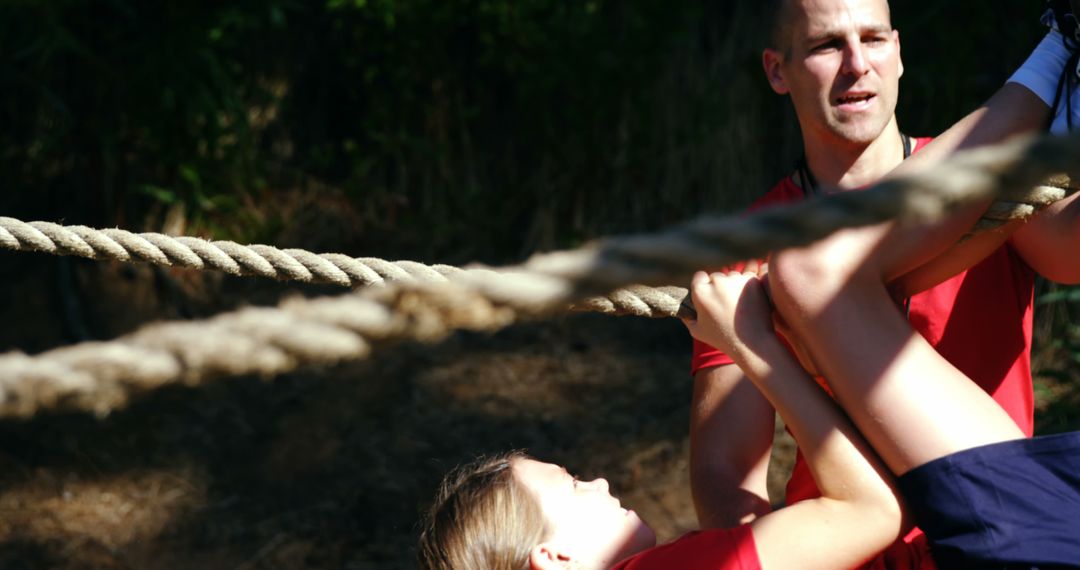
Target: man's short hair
(778, 14)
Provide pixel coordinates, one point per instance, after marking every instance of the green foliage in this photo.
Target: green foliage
(1061, 295)
(460, 130)
(105, 100)
(1058, 362)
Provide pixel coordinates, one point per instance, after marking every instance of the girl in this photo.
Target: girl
(514, 512)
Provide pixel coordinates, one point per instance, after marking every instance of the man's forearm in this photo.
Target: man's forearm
(1049, 242)
(1021, 105)
(731, 431)
(720, 501)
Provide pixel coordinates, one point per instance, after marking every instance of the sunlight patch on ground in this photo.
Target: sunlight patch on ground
(114, 511)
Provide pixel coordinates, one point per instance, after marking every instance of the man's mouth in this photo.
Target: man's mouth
(853, 99)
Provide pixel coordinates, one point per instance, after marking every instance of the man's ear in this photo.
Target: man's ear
(899, 59)
(546, 556)
(771, 61)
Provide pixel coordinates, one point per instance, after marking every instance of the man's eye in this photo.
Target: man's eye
(825, 46)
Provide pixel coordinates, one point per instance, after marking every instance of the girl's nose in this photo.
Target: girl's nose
(600, 484)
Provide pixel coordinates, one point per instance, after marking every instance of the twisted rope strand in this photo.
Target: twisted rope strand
(102, 375)
(282, 264)
(672, 256)
(305, 266)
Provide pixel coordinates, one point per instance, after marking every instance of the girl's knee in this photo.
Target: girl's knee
(802, 278)
(807, 278)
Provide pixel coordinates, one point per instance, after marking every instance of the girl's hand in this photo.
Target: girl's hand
(733, 310)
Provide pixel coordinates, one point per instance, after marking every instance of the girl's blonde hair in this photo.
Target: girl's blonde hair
(482, 518)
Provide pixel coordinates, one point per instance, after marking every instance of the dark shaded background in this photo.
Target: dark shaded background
(439, 131)
(453, 131)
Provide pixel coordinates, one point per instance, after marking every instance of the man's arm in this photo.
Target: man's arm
(1013, 110)
(1049, 243)
(731, 434)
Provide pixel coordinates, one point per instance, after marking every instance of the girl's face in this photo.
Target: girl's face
(584, 520)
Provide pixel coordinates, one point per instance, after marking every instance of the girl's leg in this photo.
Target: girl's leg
(911, 404)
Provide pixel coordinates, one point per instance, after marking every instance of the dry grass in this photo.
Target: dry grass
(328, 468)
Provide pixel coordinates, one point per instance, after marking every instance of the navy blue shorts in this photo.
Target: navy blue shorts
(1014, 504)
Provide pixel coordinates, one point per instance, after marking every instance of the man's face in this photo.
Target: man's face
(841, 67)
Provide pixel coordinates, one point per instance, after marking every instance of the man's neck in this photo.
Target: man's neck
(843, 166)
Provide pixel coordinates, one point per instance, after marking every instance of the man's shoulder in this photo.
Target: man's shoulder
(783, 192)
(786, 190)
(919, 143)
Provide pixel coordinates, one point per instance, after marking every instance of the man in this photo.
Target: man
(839, 61)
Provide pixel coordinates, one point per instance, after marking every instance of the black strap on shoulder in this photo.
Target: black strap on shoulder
(806, 178)
(809, 183)
(1064, 13)
(810, 189)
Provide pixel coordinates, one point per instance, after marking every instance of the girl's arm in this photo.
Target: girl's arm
(858, 514)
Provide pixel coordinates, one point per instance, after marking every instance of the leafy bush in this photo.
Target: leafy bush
(1057, 358)
(449, 131)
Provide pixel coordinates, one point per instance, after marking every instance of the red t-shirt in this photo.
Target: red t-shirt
(713, 549)
(980, 321)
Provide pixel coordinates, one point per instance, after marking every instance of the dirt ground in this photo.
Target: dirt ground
(330, 468)
(324, 468)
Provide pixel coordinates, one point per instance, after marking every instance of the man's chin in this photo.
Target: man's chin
(859, 133)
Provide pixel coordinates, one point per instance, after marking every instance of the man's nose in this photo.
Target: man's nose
(855, 60)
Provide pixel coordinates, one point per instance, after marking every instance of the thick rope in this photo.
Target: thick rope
(1002, 211)
(924, 197)
(102, 375)
(338, 269)
(282, 264)
(227, 256)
